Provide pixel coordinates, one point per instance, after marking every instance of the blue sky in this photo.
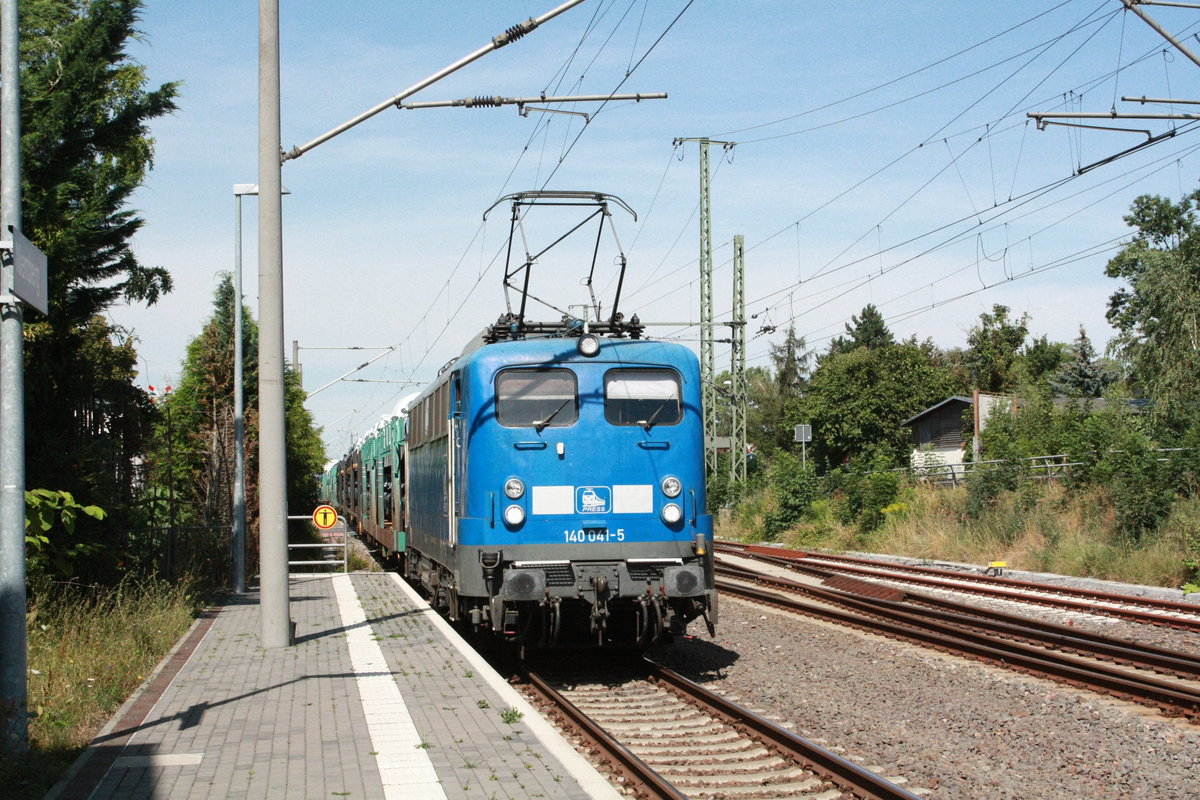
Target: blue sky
(883, 157)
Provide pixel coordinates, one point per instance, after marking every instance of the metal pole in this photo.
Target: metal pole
(708, 370)
(1132, 5)
(272, 447)
(237, 563)
(14, 689)
(511, 35)
(172, 497)
(737, 353)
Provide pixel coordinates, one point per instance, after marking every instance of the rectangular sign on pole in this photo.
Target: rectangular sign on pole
(802, 433)
(29, 272)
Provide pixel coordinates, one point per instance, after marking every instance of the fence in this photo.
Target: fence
(1050, 467)
(202, 551)
(1045, 467)
(326, 546)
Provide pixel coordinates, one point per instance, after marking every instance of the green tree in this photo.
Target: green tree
(790, 361)
(1039, 359)
(305, 450)
(1157, 312)
(773, 395)
(864, 330)
(857, 400)
(192, 460)
(993, 347)
(954, 360)
(85, 149)
(1083, 374)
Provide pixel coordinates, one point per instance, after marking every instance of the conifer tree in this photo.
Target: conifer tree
(85, 149)
(1084, 374)
(864, 330)
(193, 457)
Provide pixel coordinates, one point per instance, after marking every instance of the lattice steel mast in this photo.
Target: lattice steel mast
(737, 358)
(707, 356)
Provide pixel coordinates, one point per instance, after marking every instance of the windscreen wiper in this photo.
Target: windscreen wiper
(648, 424)
(541, 424)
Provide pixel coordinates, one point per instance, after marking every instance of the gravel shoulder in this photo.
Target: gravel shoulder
(949, 727)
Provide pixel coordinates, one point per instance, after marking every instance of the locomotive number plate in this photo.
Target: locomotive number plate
(586, 535)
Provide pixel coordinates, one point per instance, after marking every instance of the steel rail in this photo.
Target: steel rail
(1092, 594)
(870, 615)
(828, 764)
(620, 759)
(1002, 588)
(1181, 664)
(1062, 636)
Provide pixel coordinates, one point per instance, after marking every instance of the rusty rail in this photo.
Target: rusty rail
(1071, 599)
(885, 617)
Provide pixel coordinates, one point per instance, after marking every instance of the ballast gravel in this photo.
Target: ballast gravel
(945, 727)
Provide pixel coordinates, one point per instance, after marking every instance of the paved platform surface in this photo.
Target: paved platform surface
(375, 700)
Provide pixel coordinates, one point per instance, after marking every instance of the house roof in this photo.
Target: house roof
(1136, 405)
(931, 409)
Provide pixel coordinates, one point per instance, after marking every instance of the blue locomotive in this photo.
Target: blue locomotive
(551, 491)
(550, 486)
(555, 487)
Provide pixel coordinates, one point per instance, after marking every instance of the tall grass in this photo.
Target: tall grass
(1037, 527)
(89, 648)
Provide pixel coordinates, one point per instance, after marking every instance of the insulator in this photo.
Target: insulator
(517, 31)
(514, 33)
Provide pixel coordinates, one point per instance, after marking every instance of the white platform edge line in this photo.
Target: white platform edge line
(394, 739)
(580, 769)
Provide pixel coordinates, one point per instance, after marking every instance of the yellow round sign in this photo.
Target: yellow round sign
(325, 517)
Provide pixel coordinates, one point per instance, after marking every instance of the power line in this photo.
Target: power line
(430, 346)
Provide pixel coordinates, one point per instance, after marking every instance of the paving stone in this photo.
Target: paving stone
(290, 722)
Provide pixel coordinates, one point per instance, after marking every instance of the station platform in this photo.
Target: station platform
(377, 698)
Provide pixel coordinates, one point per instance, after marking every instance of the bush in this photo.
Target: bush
(861, 497)
(1142, 493)
(794, 486)
(985, 484)
(51, 544)
(88, 649)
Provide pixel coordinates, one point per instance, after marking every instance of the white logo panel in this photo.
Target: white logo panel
(633, 499)
(553, 500)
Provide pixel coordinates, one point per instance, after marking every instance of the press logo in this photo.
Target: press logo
(593, 500)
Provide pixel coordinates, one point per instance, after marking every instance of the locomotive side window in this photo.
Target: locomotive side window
(646, 397)
(543, 398)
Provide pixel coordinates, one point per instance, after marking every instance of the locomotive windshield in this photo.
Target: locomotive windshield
(536, 398)
(645, 397)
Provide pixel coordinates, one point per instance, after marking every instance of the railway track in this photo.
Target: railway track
(667, 737)
(1167, 613)
(1102, 664)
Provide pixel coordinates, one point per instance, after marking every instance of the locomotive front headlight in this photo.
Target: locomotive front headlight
(514, 515)
(672, 513)
(588, 345)
(514, 488)
(671, 487)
